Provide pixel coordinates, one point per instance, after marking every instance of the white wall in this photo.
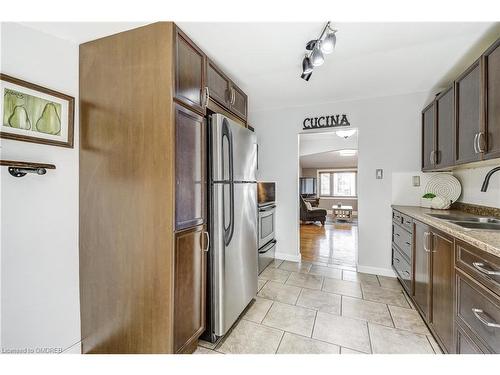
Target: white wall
(389, 138)
(39, 217)
(472, 179)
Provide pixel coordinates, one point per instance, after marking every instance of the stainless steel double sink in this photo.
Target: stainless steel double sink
(470, 222)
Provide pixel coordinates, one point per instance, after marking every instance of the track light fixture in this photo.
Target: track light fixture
(317, 48)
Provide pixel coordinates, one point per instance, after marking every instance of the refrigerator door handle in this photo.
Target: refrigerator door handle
(226, 132)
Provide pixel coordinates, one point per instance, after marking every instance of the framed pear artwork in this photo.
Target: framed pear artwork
(32, 113)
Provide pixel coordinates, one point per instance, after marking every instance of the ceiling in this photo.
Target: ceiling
(330, 159)
(370, 59)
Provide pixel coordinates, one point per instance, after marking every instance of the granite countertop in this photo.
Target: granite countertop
(487, 240)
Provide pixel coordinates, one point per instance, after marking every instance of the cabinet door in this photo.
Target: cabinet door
(468, 115)
(189, 287)
(443, 278)
(218, 85)
(421, 289)
(189, 73)
(239, 102)
(445, 127)
(428, 137)
(190, 191)
(492, 101)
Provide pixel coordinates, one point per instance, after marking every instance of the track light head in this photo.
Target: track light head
(317, 57)
(305, 76)
(329, 42)
(307, 66)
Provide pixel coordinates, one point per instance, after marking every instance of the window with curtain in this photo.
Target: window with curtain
(337, 184)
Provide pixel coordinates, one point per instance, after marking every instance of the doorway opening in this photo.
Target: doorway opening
(328, 168)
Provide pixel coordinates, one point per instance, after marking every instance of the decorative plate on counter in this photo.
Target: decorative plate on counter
(444, 185)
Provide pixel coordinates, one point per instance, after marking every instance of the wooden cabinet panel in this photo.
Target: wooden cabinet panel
(443, 279)
(492, 101)
(422, 282)
(189, 73)
(190, 191)
(445, 127)
(218, 85)
(428, 137)
(468, 114)
(189, 287)
(239, 102)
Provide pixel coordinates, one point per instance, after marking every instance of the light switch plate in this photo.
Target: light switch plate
(379, 174)
(415, 180)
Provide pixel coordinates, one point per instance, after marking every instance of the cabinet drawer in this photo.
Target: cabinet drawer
(480, 311)
(465, 345)
(397, 217)
(407, 222)
(402, 268)
(402, 239)
(479, 264)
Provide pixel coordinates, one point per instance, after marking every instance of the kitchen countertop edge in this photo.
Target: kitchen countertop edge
(488, 241)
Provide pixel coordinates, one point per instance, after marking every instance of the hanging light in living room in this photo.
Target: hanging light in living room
(317, 48)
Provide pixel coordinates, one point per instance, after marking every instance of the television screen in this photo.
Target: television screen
(308, 185)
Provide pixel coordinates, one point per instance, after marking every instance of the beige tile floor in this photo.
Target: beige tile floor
(306, 308)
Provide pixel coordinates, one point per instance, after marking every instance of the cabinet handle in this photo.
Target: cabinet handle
(397, 234)
(481, 268)
(397, 259)
(207, 96)
(408, 243)
(484, 318)
(431, 157)
(208, 241)
(480, 136)
(406, 273)
(426, 241)
(233, 96)
(476, 150)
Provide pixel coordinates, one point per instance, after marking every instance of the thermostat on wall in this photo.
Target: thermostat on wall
(379, 174)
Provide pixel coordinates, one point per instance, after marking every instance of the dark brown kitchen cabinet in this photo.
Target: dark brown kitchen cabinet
(490, 139)
(238, 102)
(219, 85)
(445, 129)
(443, 279)
(189, 73)
(189, 168)
(468, 135)
(190, 287)
(422, 267)
(428, 137)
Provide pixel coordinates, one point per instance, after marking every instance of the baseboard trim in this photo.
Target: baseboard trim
(376, 271)
(290, 257)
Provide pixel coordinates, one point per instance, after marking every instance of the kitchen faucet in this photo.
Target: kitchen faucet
(487, 178)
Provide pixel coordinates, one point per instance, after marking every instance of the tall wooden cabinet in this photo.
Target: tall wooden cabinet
(428, 136)
(143, 236)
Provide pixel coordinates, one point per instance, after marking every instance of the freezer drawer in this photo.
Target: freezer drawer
(266, 255)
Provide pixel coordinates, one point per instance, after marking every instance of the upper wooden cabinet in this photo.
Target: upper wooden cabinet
(428, 137)
(189, 73)
(238, 102)
(189, 168)
(219, 85)
(490, 144)
(225, 93)
(468, 114)
(445, 129)
(462, 125)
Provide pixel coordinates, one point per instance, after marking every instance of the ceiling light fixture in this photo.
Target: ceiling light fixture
(317, 47)
(345, 133)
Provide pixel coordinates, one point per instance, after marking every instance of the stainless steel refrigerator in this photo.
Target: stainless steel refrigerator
(233, 254)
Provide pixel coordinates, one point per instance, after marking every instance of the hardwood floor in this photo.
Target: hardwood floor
(334, 243)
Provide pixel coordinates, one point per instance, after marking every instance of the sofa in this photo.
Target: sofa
(309, 213)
